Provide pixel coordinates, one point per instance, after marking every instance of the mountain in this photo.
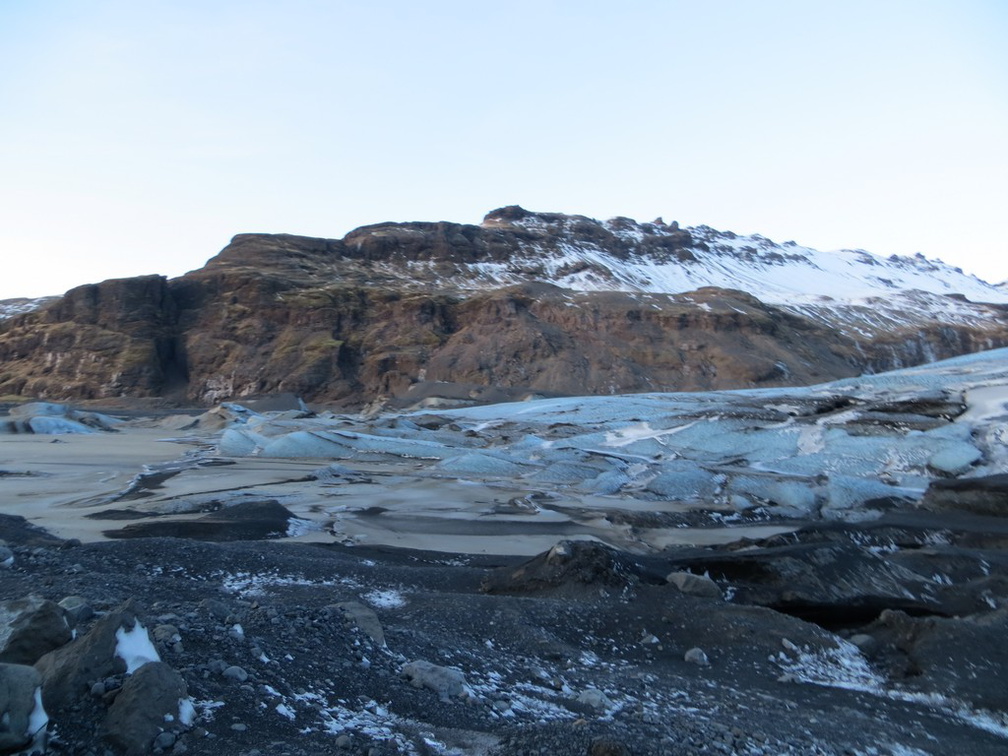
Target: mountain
(523, 303)
(11, 307)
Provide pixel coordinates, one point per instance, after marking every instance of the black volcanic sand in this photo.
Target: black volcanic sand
(579, 651)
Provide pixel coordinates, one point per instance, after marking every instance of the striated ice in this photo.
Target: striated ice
(954, 459)
(529, 442)
(796, 497)
(240, 443)
(733, 438)
(43, 408)
(240, 413)
(682, 480)
(398, 447)
(783, 447)
(307, 444)
(843, 492)
(564, 473)
(55, 426)
(481, 466)
(610, 482)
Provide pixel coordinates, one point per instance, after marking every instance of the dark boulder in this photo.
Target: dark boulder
(29, 628)
(987, 495)
(247, 521)
(833, 584)
(67, 672)
(966, 657)
(572, 566)
(22, 719)
(148, 704)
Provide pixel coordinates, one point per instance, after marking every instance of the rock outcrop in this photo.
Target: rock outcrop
(21, 712)
(526, 302)
(29, 628)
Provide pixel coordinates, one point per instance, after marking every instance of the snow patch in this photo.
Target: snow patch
(385, 598)
(187, 711)
(38, 719)
(845, 667)
(135, 648)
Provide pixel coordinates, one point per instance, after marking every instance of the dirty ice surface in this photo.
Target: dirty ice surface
(641, 472)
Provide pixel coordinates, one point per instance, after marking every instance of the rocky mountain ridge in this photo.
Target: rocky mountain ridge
(530, 303)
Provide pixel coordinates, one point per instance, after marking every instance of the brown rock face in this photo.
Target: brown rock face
(100, 340)
(395, 310)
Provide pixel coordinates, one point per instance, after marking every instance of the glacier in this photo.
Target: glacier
(842, 450)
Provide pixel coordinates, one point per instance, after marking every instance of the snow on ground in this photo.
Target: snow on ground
(862, 293)
(844, 667)
(869, 292)
(11, 307)
(246, 584)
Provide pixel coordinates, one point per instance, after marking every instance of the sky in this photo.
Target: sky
(138, 138)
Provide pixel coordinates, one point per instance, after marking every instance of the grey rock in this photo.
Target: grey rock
(445, 681)
(595, 698)
(77, 609)
(235, 672)
(215, 608)
(832, 576)
(165, 634)
(20, 707)
(68, 672)
(365, 618)
(244, 521)
(148, 701)
(930, 653)
(866, 643)
(574, 566)
(29, 628)
(695, 585)
(697, 656)
(608, 747)
(165, 740)
(986, 495)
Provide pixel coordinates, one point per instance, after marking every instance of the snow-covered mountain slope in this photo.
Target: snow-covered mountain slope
(854, 290)
(11, 307)
(620, 254)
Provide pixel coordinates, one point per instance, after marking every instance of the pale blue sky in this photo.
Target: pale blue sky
(138, 137)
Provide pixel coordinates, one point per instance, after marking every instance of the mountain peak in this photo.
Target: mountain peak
(544, 302)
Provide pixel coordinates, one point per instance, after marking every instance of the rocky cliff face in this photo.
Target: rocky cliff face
(529, 302)
(109, 339)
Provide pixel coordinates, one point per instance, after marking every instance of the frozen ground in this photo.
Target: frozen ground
(306, 649)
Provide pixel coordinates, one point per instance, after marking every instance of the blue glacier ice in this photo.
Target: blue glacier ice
(832, 450)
